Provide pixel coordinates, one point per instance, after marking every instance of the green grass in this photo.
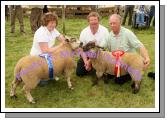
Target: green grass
(57, 95)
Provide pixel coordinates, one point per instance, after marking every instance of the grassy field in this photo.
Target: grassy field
(57, 95)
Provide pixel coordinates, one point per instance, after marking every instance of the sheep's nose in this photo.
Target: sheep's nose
(81, 44)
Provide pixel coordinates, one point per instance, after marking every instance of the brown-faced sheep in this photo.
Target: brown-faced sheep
(104, 62)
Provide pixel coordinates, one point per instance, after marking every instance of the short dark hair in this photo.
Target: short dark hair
(47, 17)
(93, 14)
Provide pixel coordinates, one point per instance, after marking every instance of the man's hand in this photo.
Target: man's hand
(146, 57)
(88, 65)
(146, 62)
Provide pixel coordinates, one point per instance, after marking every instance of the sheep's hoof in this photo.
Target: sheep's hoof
(136, 89)
(94, 83)
(71, 88)
(133, 85)
(106, 81)
(32, 102)
(14, 97)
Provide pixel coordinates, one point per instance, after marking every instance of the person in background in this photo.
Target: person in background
(35, 17)
(128, 10)
(141, 12)
(117, 9)
(6, 12)
(152, 15)
(45, 9)
(16, 11)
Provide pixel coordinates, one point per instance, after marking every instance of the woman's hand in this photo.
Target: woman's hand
(61, 38)
(44, 47)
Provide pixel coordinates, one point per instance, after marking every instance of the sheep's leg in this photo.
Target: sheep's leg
(28, 87)
(95, 82)
(67, 75)
(98, 77)
(106, 80)
(136, 83)
(28, 94)
(69, 83)
(14, 84)
(135, 87)
(57, 78)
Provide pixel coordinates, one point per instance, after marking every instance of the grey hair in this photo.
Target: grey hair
(117, 16)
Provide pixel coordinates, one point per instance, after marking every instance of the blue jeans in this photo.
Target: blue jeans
(140, 19)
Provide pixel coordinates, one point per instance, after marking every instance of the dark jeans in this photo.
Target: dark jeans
(81, 71)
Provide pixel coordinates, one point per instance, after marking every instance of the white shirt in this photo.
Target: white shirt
(87, 36)
(43, 35)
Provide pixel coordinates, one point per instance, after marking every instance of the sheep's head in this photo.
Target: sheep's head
(91, 46)
(92, 50)
(74, 43)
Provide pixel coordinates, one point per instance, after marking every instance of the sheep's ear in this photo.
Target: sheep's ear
(67, 40)
(100, 47)
(91, 43)
(73, 39)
